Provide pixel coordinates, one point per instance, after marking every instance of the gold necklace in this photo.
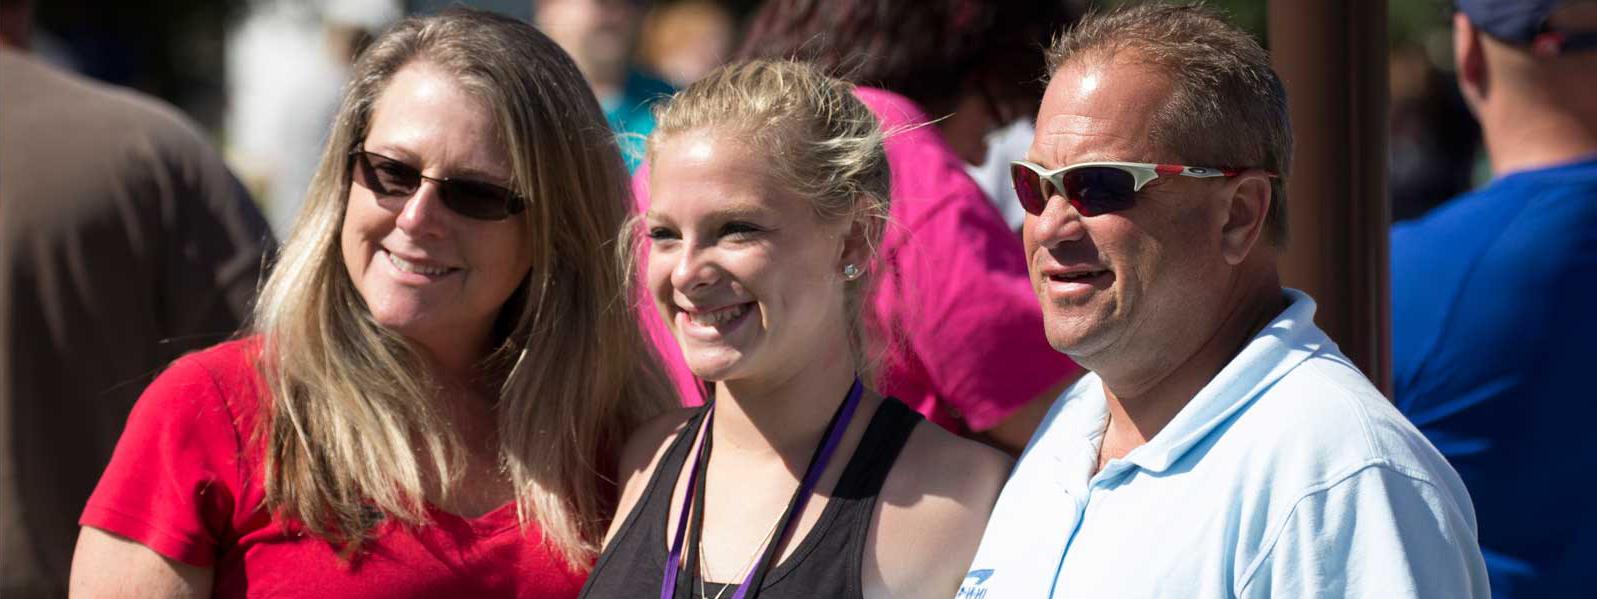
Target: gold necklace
(758, 550)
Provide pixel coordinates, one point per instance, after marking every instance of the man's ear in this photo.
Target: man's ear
(1246, 214)
(1469, 59)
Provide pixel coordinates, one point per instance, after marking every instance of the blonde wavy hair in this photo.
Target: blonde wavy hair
(822, 143)
(353, 422)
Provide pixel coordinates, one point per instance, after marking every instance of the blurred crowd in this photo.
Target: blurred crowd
(270, 128)
(231, 105)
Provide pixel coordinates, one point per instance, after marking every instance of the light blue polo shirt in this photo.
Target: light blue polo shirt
(1288, 475)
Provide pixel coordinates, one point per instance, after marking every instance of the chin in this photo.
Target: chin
(715, 364)
(414, 322)
(1072, 336)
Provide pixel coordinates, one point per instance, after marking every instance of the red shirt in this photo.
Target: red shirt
(186, 481)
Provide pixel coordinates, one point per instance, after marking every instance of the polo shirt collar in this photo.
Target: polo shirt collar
(1284, 343)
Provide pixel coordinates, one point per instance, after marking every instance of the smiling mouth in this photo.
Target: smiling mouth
(411, 267)
(719, 317)
(1078, 277)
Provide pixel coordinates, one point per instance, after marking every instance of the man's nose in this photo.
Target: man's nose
(1059, 222)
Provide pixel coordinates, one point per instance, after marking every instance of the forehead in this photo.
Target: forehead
(696, 172)
(425, 114)
(1101, 108)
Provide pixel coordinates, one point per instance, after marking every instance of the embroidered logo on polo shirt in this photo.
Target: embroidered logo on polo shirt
(975, 585)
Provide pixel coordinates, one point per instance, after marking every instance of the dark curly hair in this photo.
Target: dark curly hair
(931, 51)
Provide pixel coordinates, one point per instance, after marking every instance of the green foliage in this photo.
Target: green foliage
(1409, 22)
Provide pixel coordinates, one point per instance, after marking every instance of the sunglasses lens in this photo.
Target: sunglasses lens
(385, 177)
(478, 200)
(1100, 189)
(473, 199)
(1028, 188)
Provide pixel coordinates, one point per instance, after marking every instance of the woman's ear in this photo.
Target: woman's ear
(857, 241)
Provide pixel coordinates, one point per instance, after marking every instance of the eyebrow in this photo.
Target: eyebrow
(738, 210)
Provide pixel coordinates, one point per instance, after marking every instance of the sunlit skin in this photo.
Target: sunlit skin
(1153, 259)
(424, 119)
(724, 236)
(741, 270)
(1155, 298)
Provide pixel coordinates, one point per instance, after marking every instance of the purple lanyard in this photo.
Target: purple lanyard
(801, 497)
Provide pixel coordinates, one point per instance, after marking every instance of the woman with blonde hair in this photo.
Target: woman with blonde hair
(440, 375)
(769, 184)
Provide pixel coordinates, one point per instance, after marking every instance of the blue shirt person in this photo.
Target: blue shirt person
(1493, 292)
(1222, 446)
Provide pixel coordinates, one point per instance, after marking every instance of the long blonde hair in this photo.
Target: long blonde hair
(353, 422)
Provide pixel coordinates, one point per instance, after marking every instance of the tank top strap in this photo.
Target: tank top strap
(877, 452)
(831, 557)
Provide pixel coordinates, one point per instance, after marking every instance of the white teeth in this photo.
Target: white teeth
(402, 264)
(718, 317)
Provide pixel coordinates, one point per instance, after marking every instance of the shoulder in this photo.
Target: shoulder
(960, 467)
(1378, 528)
(86, 101)
(121, 122)
(1324, 423)
(230, 364)
(939, 494)
(1523, 205)
(223, 378)
(642, 454)
(649, 442)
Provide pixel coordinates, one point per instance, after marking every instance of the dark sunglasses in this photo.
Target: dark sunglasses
(1096, 188)
(387, 177)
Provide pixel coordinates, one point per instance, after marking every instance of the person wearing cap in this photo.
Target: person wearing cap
(1222, 445)
(1492, 295)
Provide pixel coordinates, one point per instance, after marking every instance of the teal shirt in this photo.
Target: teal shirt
(631, 115)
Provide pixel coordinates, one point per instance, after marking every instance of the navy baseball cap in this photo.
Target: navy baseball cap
(1524, 23)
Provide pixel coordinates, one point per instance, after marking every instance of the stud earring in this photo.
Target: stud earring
(851, 272)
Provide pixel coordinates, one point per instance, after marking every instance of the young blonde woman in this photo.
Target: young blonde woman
(440, 378)
(769, 186)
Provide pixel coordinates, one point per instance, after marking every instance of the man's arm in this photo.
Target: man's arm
(1376, 533)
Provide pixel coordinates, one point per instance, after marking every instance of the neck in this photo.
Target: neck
(454, 361)
(1142, 402)
(1527, 134)
(783, 417)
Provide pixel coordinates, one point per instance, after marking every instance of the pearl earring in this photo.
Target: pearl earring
(851, 272)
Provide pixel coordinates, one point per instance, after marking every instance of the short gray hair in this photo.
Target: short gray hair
(1229, 107)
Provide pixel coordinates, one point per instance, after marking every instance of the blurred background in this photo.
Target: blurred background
(264, 76)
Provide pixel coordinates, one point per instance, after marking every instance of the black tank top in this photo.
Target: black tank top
(826, 563)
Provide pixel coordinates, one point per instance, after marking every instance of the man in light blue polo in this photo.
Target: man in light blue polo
(1222, 446)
